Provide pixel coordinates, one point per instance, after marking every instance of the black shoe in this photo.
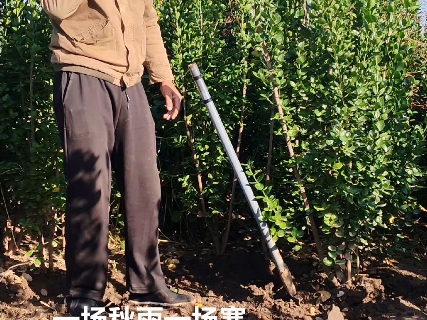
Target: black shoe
(76, 306)
(162, 297)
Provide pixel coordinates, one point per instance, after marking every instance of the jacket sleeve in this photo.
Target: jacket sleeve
(156, 60)
(60, 9)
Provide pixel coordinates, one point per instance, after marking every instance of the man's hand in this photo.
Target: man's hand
(173, 99)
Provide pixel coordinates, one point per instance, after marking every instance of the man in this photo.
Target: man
(99, 51)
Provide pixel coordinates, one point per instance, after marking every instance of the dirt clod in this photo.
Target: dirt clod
(335, 314)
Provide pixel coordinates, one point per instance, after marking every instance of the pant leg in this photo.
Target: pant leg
(83, 110)
(136, 168)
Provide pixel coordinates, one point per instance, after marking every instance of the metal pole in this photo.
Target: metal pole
(284, 272)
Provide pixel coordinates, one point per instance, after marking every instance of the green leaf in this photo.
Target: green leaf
(291, 239)
(273, 231)
(300, 59)
(300, 234)
(337, 166)
(282, 225)
(259, 186)
(338, 223)
(37, 262)
(279, 37)
(368, 16)
(332, 254)
(327, 261)
(277, 18)
(340, 233)
(400, 65)
(380, 125)
(323, 207)
(296, 248)
(341, 247)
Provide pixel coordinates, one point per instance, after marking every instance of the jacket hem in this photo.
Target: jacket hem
(91, 72)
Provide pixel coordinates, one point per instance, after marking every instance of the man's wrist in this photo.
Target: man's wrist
(164, 82)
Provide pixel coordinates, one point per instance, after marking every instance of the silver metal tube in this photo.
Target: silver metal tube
(241, 176)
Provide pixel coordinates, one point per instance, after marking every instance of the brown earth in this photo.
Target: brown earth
(241, 278)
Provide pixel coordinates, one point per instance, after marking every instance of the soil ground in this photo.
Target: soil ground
(243, 278)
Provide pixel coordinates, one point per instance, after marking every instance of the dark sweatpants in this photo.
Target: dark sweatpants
(104, 127)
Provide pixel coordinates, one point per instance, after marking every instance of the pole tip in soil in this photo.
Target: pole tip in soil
(286, 278)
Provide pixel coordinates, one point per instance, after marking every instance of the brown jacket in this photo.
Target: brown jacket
(112, 40)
